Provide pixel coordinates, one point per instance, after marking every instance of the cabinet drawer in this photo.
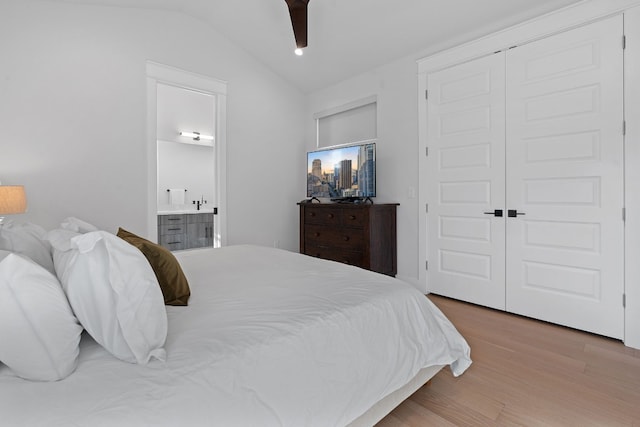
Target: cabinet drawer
(335, 216)
(342, 237)
(335, 254)
(172, 242)
(202, 217)
(171, 219)
(353, 218)
(322, 216)
(172, 229)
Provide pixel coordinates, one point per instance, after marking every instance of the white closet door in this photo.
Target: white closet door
(465, 179)
(565, 175)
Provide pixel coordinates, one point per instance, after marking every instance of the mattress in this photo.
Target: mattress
(270, 338)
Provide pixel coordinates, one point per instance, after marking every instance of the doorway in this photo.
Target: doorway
(180, 101)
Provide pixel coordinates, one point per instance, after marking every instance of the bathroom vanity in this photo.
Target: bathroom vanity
(185, 229)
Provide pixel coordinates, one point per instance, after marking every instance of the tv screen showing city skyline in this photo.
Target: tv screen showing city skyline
(342, 172)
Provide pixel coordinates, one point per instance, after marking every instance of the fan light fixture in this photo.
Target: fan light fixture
(298, 14)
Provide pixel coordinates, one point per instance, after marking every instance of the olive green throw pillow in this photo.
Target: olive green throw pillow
(171, 278)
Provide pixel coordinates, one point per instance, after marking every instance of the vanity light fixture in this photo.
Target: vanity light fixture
(197, 136)
(13, 200)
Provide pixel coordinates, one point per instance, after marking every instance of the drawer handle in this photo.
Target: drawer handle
(173, 243)
(174, 229)
(316, 234)
(174, 219)
(352, 217)
(312, 214)
(330, 215)
(345, 238)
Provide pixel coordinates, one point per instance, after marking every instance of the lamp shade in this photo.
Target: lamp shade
(12, 199)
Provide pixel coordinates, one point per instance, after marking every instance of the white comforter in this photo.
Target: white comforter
(270, 338)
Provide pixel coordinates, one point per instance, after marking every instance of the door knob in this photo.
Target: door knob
(497, 212)
(512, 213)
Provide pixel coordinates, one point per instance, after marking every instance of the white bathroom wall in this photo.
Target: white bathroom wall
(73, 117)
(180, 109)
(182, 161)
(187, 166)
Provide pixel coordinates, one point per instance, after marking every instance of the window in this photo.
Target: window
(349, 123)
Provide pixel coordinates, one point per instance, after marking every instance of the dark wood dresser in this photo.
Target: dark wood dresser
(363, 234)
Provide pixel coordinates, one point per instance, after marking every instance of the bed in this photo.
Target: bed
(269, 338)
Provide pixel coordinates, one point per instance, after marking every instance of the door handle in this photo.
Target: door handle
(497, 212)
(512, 213)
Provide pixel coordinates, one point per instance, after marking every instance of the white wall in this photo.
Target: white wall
(181, 161)
(187, 166)
(632, 177)
(395, 85)
(179, 109)
(73, 117)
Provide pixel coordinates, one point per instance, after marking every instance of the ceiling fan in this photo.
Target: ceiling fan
(298, 14)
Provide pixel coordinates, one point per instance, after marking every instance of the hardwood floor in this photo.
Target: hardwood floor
(527, 373)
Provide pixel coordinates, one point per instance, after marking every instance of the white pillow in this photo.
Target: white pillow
(114, 293)
(27, 239)
(60, 239)
(39, 334)
(79, 226)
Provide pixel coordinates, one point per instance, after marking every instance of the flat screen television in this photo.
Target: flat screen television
(342, 173)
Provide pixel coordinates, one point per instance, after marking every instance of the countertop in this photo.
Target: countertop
(185, 211)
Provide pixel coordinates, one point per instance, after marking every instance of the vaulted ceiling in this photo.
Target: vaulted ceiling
(348, 37)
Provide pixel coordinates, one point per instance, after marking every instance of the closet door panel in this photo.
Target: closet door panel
(465, 180)
(564, 174)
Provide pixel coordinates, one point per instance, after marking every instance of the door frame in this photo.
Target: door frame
(564, 19)
(159, 73)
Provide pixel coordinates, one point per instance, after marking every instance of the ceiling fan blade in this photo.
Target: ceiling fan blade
(298, 14)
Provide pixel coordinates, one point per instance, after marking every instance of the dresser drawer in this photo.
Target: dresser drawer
(342, 237)
(322, 216)
(335, 216)
(173, 242)
(172, 229)
(353, 218)
(336, 254)
(171, 219)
